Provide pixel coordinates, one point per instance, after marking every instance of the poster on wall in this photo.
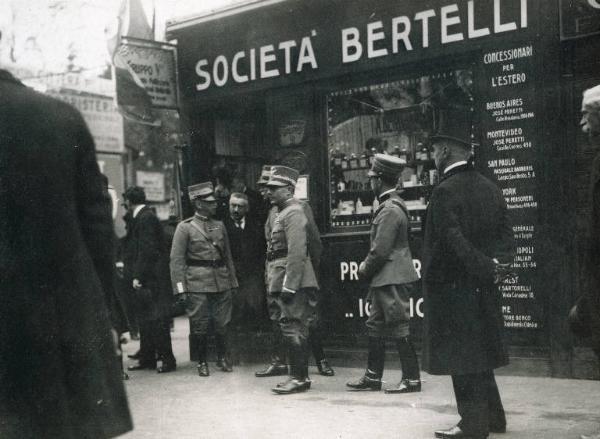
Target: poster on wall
(153, 184)
(508, 132)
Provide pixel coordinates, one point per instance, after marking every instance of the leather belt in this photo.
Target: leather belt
(277, 254)
(214, 263)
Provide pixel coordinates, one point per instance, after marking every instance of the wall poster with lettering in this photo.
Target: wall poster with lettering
(507, 154)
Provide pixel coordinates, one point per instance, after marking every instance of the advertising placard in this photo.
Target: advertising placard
(153, 184)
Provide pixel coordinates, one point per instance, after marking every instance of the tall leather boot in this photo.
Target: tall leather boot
(411, 375)
(298, 380)
(277, 367)
(202, 354)
(223, 361)
(314, 339)
(371, 380)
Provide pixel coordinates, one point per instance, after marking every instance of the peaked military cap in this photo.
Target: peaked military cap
(457, 126)
(282, 176)
(265, 173)
(385, 165)
(204, 191)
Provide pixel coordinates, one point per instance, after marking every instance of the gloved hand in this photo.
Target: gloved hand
(287, 295)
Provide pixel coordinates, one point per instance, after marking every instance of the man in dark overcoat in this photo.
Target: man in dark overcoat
(468, 246)
(588, 306)
(59, 371)
(146, 273)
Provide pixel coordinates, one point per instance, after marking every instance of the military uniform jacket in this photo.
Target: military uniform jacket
(293, 270)
(389, 260)
(190, 246)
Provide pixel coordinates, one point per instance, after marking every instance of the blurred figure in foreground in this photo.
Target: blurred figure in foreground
(59, 370)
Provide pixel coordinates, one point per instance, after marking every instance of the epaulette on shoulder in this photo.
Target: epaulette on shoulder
(396, 203)
(187, 220)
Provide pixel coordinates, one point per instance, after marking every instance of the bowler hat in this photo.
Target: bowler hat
(456, 125)
(385, 165)
(282, 176)
(203, 191)
(264, 175)
(135, 195)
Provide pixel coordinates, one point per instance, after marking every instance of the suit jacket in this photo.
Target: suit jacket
(247, 247)
(289, 235)
(56, 258)
(389, 260)
(191, 244)
(466, 228)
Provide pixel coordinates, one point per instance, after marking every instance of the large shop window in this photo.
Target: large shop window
(396, 118)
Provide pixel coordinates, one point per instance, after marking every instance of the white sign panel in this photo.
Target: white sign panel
(101, 116)
(153, 184)
(154, 65)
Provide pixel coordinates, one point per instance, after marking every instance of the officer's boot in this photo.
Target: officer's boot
(223, 361)
(371, 380)
(202, 354)
(411, 375)
(277, 367)
(314, 339)
(298, 380)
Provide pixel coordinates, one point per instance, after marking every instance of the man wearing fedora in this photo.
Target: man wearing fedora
(146, 267)
(468, 248)
(202, 265)
(291, 278)
(391, 274)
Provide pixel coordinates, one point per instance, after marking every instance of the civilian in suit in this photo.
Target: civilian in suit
(202, 265)
(146, 273)
(391, 274)
(290, 276)
(587, 309)
(248, 251)
(59, 371)
(468, 248)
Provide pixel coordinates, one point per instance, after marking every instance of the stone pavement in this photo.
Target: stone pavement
(238, 405)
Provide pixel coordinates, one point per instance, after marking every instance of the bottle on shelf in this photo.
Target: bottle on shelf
(372, 156)
(344, 162)
(359, 206)
(363, 161)
(353, 161)
(424, 151)
(403, 154)
(337, 157)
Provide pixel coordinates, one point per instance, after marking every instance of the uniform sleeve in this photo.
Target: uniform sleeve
(477, 263)
(177, 258)
(229, 259)
(388, 224)
(295, 233)
(149, 247)
(315, 248)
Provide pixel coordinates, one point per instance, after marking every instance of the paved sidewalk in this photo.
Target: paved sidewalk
(238, 405)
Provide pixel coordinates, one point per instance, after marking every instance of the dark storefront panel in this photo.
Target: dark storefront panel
(336, 81)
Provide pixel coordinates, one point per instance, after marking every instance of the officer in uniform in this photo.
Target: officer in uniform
(290, 276)
(390, 271)
(201, 265)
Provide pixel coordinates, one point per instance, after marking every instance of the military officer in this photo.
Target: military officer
(390, 271)
(290, 275)
(201, 264)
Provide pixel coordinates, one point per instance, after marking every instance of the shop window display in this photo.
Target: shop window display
(394, 118)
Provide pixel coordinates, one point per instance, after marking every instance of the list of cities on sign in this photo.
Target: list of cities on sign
(507, 155)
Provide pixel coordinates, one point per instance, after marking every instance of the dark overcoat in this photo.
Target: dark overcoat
(59, 372)
(147, 260)
(466, 227)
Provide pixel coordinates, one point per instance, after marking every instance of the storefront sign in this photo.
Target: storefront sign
(507, 155)
(153, 184)
(101, 116)
(386, 32)
(154, 66)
